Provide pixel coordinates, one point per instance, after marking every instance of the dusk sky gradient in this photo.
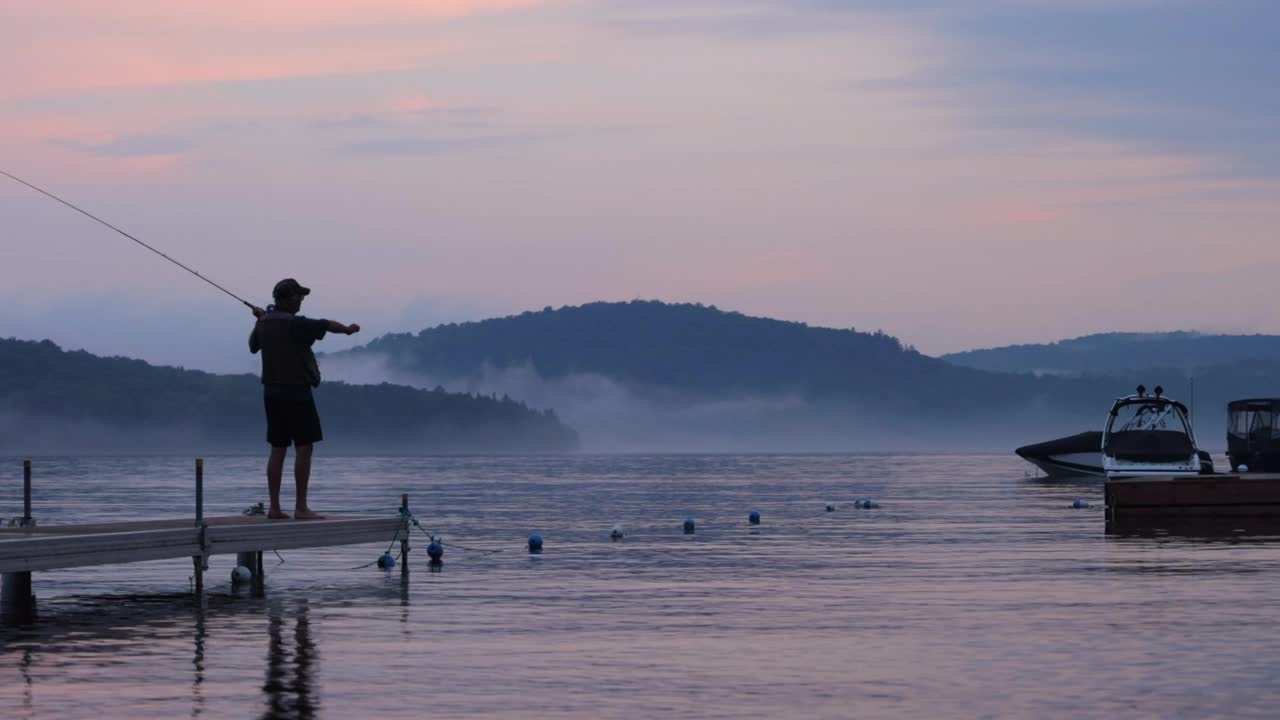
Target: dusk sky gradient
(960, 174)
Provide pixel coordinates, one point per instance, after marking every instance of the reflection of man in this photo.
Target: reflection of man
(290, 694)
(289, 371)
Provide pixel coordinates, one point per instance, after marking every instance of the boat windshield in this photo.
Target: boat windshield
(1140, 417)
(1149, 432)
(1255, 422)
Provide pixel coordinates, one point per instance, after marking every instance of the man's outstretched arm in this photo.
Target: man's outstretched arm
(337, 327)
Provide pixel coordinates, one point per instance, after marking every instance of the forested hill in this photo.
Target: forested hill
(1118, 353)
(682, 347)
(652, 375)
(52, 400)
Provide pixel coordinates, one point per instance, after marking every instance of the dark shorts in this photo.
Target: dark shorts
(291, 415)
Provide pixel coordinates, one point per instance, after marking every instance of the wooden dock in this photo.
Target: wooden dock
(29, 549)
(26, 547)
(1254, 495)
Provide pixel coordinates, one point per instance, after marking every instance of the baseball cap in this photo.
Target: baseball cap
(289, 287)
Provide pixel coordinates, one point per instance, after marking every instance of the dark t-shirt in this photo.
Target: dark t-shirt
(285, 341)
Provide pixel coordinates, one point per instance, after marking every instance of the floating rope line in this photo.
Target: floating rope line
(390, 545)
(411, 518)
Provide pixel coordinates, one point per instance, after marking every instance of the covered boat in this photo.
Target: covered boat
(1253, 434)
(1150, 435)
(1074, 455)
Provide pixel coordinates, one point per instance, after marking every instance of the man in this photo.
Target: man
(289, 371)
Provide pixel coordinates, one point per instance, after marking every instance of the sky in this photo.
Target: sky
(960, 174)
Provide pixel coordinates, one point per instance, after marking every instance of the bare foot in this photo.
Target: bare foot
(277, 515)
(305, 514)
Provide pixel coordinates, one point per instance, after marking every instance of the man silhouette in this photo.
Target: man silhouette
(289, 371)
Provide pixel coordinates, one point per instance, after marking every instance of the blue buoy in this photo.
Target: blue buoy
(535, 543)
(866, 503)
(435, 550)
(616, 533)
(1080, 504)
(386, 562)
(831, 508)
(754, 517)
(689, 526)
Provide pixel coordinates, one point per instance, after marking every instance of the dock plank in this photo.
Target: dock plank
(1227, 495)
(69, 546)
(301, 534)
(50, 552)
(132, 525)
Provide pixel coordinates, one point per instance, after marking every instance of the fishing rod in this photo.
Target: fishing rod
(91, 216)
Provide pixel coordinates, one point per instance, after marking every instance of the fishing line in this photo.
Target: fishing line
(91, 216)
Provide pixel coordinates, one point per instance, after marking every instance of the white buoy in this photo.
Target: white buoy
(1243, 468)
(616, 533)
(241, 574)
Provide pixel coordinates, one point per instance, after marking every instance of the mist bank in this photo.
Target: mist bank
(651, 376)
(613, 417)
(1205, 371)
(54, 401)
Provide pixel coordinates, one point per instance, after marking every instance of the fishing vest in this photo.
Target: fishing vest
(285, 360)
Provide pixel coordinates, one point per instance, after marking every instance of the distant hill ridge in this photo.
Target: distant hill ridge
(52, 400)
(688, 347)
(1112, 353)
(691, 352)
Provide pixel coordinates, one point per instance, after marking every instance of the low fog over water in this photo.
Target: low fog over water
(611, 417)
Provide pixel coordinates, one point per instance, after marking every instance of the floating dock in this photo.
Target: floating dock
(26, 547)
(1253, 495)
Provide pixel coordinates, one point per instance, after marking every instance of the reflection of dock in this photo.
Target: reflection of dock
(28, 547)
(1199, 496)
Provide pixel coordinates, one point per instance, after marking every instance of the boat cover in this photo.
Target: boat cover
(1150, 446)
(1253, 433)
(1080, 443)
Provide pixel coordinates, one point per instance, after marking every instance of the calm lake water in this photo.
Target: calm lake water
(973, 591)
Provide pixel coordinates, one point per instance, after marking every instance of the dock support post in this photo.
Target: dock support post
(17, 603)
(26, 493)
(199, 561)
(199, 492)
(259, 585)
(404, 542)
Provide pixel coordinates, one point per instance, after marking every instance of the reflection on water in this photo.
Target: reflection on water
(970, 592)
(197, 664)
(291, 670)
(24, 667)
(1230, 530)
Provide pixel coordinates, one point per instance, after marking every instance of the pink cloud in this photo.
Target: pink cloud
(67, 46)
(62, 50)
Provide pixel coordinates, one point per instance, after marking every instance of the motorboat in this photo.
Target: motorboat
(1072, 456)
(1150, 435)
(1253, 434)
